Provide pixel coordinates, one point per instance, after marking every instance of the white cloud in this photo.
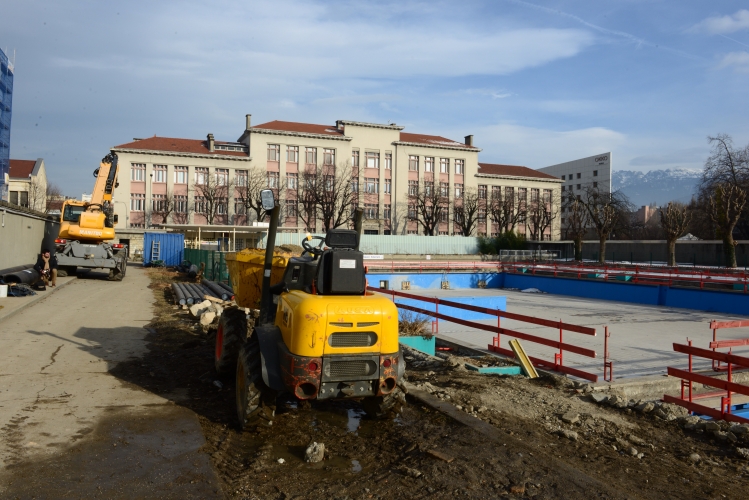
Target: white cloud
(739, 61)
(538, 148)
(721, 25)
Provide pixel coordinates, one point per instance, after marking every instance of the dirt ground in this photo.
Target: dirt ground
(603, 452)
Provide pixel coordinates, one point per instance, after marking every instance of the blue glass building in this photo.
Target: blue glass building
(6, 100)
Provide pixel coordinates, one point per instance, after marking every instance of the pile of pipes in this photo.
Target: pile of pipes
(194, 293)
(20, 274)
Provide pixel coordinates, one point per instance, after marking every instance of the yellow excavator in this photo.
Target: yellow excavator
(87, 227)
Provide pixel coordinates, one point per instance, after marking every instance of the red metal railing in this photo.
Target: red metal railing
(690, 377)
(718, 344)
(557, 365)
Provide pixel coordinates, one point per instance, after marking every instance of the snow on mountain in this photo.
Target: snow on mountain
(657, 186)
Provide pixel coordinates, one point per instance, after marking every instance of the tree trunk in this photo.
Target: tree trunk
(602, 250)
(672, 253)
(579, 249)
(729, 251)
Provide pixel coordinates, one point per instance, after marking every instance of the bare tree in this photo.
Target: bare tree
(212, 197)
(674, 221)
(577, 223)
(541, 213)
(162, 208)
(505, 209)
(606, 211)
(399, 218)
(428, 204)
(725, 208)
(37, 195)
(327, 193)
(53, 194)
(466, 211)
(248, 190)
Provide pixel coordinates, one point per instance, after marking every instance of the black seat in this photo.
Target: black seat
(341, 272)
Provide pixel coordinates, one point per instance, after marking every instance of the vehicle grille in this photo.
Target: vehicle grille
(358, 368)
(352, 339)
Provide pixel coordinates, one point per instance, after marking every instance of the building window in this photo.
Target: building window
(371, 185)
(522, 194)
(199, 205)
(239, 206)
(429, 164)
(578, 187)
(180, 175)
(578, 175)
(137, 202)
(428, 189)
(222, 176)
(445, 165)
(138, 172)
(386, 212)
(329, 181)
(292, 154)
(413, 163)
(413, 187)
(496, 192)
(355, 186)
(595, 173)
(534, 195)
(158, 202)
(329, 156)
(510, 194)
(20, 198)
(201, 175)
(240, 177)
(412, 214)
(274, 152)
(180, 204)
(444, 189)
(291, 212)
(222, 206)
(159, 173)
(562, 177)
(272, 179)
(370, 211)
(444, 214)
(460, 167)
(388, 186)
(458, 190)
(354, 158)
(310, 156)
(547, 195)
(562, 188)
(389, 161)
(482, 191)
(292, 180)
(373, 160)
(595, 184)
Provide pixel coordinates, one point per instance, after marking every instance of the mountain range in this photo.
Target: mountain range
(657, 186)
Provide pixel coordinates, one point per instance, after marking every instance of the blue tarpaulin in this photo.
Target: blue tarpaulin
(170, 247)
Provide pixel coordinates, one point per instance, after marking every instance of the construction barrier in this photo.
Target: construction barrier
(727, 387)
(722, 344)
(215, 263)
(556, 365)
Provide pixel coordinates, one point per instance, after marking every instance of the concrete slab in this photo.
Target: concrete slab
(11, 305)
(642, 336)
(57, 396)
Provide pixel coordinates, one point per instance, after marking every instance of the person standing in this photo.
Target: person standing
(46, 264)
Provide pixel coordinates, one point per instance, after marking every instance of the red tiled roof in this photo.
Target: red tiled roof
(306, 128)
(432, 140)
(513, 170)
(194, 146)
(21, 169)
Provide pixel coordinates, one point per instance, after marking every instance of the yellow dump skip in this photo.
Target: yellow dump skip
(246, 271)
(521, 356)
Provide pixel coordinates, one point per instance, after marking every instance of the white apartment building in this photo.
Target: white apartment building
(389, 164)
(593, 171)
(27, 184)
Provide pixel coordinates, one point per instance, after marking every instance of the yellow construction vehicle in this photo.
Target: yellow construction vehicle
(86, 227)
(319, 335)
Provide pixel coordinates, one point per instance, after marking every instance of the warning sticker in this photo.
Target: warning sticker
(348, 264)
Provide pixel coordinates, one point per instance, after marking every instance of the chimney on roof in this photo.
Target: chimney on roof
(211, 143)
(248, 121)
(469, 140)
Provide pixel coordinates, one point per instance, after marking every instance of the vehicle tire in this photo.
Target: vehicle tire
(231, 334)
(256, 402)
(63, 271)
(118, 272)
(379, 407)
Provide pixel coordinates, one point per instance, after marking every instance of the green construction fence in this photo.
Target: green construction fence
(215, 263)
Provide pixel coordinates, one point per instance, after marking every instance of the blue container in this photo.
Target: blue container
(171, 247)
(423, 344)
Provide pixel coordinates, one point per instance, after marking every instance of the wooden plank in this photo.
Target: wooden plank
(522, 357)
(549, 365)
(499, 370)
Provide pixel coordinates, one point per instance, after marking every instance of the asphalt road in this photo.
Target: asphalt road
(69, 428)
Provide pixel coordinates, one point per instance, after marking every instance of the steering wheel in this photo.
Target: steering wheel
(316, 251)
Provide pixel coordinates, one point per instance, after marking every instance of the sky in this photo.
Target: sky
(536, 83)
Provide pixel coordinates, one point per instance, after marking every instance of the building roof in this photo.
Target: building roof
(512, 171)
(192, 146)
(304, 128)
(432, 140)
(21, 169)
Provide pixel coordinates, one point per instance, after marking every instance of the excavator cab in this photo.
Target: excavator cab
(320, 333)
